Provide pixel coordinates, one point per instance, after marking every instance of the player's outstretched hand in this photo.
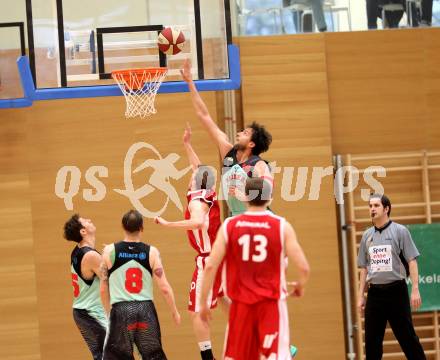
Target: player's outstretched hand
(160, 221)
(187, 134)
(176, 317)
(296, 289)
(186, 71)
(205, 313)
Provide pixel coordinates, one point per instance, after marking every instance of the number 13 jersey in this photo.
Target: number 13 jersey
(254, 266)
(130, 277)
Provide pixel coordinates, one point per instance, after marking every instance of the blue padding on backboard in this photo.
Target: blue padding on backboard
(168, 87)
(14, 103)
(32, 94)
(27, 85)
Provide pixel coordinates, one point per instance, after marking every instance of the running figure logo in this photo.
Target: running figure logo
(163, 170)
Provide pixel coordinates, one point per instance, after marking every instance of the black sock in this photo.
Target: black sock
(207, 354)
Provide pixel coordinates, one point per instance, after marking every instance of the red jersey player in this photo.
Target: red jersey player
(202, 221)
(253, 246)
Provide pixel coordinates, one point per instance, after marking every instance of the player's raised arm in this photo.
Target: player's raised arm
(217, 135)
(163, 284)
(297, 256)
(198, 210)
(104, 265)
(193, 158)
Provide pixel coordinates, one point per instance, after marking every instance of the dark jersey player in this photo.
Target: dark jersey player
(88, 312)
(240, 160)
(129, 269)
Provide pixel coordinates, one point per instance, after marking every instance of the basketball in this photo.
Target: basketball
(171, 41)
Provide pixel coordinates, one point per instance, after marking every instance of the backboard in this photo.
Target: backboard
(73, 45)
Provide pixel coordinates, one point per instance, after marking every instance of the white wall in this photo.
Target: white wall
(358, 15)
(16, 12)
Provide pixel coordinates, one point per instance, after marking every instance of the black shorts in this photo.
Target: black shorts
(133, 322)
(91, 330)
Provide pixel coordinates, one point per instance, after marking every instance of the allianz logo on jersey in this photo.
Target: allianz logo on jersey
(261, 225)
(140, 256)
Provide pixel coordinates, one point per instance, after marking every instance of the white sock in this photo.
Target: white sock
(205, 345)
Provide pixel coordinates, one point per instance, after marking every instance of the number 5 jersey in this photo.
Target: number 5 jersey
(85, 292)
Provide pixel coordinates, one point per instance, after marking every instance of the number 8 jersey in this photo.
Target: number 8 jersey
(254, 266)
(130, 277)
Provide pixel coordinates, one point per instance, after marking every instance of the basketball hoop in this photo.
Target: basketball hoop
(139, 87)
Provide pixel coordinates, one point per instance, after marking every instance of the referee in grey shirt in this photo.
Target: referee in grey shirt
(386, 254)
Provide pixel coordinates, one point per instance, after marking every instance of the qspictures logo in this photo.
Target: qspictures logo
(68, 180)
(163, 171)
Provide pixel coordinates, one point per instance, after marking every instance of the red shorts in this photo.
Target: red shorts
(258, 329)
(196, 286)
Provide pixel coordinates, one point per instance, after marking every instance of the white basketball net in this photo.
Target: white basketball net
(140, 88)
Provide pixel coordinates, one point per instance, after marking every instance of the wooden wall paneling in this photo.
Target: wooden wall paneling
(19, 331)
(382, 86)
(285, 88)
(431, 83)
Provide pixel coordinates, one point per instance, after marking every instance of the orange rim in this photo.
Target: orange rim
(128, 74)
